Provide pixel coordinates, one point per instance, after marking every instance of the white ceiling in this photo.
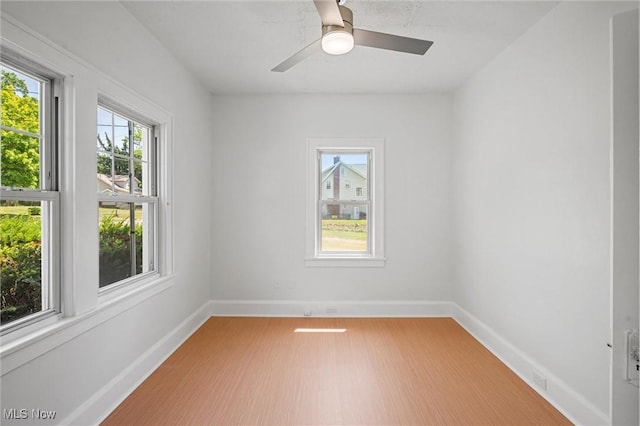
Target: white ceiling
(231, 46)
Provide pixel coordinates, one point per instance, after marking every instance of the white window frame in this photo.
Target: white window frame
(80, 307)
(150, 203)
(116, 97)
(48, 193)
(375, 257)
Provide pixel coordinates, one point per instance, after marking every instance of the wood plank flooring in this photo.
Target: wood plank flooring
(382, 371)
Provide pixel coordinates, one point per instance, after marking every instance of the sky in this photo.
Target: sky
(327, 159)
(32, 84)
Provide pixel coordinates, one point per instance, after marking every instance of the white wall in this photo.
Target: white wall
(259, 167)
(529, 211)
(625, 191)
(87, 360)
(532, 197)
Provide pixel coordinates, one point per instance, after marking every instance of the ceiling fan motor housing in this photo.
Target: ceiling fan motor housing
(347, 18)
(339, 36)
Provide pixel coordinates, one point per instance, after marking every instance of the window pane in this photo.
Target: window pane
(20, 144)
(344, 227)
(104, 173)
(105, 117)
(21, 260)
(121, 140)
(126, 229)
(341, 174)
(109, 183)
(120, 250)
(113, 139)
(113, 132)
(122, 170)
(28, 275)
(140, 138)
(105, 136)
(20, 160)
(20, 101)
(137, 180)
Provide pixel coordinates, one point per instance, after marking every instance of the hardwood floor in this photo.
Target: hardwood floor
(382, 371)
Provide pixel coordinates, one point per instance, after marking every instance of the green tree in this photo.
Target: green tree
(11, 79)
(20, 154)
(121, 165)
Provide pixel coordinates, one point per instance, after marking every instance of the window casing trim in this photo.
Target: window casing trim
(375, 256)
(150, 226)
(54, 332)
(149, 114)
(50, 85)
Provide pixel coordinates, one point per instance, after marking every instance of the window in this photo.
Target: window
(29, 198)
(343, 224)
(343, 230)
(127, 196)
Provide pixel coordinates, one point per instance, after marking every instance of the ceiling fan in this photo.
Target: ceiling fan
(339, 36)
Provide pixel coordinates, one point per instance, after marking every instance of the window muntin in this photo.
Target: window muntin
(29, 206)
(127, 195)
(343, 225)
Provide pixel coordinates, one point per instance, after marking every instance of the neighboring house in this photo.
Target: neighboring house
(345, 182)
(119, 184)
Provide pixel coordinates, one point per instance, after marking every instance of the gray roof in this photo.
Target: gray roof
(359, 169)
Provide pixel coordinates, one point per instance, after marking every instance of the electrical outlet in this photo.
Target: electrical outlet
(332, 309)
(540, 380)
(307, 312)
(276, 284)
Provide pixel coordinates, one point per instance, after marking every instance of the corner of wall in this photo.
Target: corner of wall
(564, 398)
(99, 405)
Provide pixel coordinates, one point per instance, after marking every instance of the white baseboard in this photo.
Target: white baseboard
(564, 398)
(573, 405)
(102, 403)
(297, 308)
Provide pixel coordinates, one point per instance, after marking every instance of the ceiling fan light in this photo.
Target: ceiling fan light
(337, 42)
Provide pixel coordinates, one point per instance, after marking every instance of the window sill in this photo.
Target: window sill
(345, 262)
(19, 351)
(128, 286)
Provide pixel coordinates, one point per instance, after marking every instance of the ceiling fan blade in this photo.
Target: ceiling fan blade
(390, 42)
(314, 47)
(329, 12)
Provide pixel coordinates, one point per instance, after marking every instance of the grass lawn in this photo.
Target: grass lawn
(119, 214)
(344, 235)
(15, 210)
